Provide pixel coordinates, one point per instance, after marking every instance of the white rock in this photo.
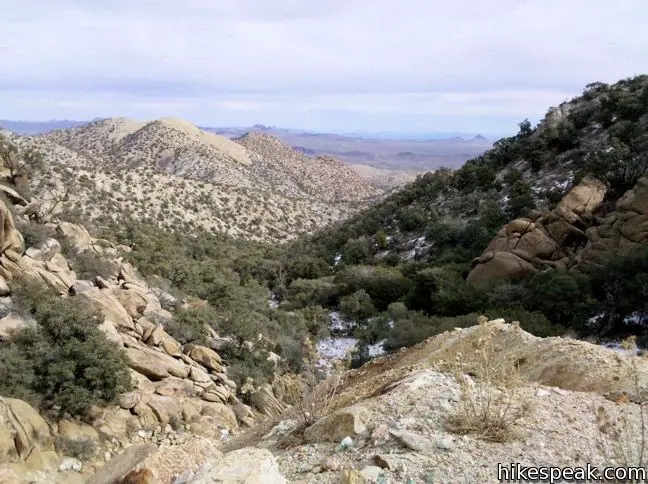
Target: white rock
(542, 393)
(371, 472)
(347, 443)
(70, 464)
(446, 443)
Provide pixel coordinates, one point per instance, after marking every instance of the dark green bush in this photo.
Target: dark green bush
(190, 325)
(383, 284)
(243, 363)
(88, 266)
(357, 306)
(67, 361)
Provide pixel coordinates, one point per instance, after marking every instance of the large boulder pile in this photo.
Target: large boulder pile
(175, 383)
(573, 235)
(177, 386)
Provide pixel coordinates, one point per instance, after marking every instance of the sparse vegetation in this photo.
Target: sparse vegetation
(491, 404)
(627, 435)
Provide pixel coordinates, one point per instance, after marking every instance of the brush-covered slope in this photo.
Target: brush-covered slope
(284, 167)
(603, 133)
(178, 176)
(551, 225)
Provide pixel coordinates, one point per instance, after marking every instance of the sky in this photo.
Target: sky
(405, 66)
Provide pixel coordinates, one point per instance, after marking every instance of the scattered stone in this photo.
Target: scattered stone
(329, 464)
(248, 465)
(122, 464)
(446, 443)
(351, 476)
(372, 473)
(345, 422)
(70, 464)
(385, 461)
(411, 440)
(380, 434)
(346, 443)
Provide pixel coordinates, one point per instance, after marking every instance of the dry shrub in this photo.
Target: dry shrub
(318, 399)
(491, 403)
(627, 432)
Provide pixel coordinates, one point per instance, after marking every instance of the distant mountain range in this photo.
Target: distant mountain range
(379, 150)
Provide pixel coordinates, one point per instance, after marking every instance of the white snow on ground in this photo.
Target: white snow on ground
(337, 324)
(335, 348)
(273, 301)
(377, 349)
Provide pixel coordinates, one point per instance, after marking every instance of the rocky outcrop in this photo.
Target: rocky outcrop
(174, 384)
(624, 229)
(570, 236)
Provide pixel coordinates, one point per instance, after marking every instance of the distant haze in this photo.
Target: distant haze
(380, 150)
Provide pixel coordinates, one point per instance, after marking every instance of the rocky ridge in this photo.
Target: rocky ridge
(322, 176)
(86, 186)
(390, 421)
(255, 187)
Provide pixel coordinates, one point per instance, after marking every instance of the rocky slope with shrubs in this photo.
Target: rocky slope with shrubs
(162, 383)
(568, 194)
(177, 176)
(133, 353)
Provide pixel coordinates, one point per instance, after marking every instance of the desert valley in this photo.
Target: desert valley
(180, 306)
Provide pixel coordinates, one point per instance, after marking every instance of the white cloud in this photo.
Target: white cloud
(306, 60)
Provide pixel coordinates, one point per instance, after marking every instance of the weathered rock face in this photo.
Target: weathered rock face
(173, 384)
(624, 229)
(567, 237)
(10, 238)
(155, 364)
(25, 438)
(248, 465)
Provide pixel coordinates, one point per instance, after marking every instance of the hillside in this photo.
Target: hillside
(567, 195)
(287, 168)
(175, 175)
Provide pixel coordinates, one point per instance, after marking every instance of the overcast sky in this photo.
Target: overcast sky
(334, 65)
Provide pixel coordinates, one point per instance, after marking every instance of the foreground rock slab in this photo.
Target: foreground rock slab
(244, 466)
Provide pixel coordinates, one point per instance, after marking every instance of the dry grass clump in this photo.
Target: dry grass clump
(491, 403)
(319, 400)
(623, 437)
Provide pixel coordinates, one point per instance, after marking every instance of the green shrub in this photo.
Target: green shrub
(383, 284)
(190, 325)
(561, 296)
(243, 363)
(305, 292)
(357, 306)
(67, 361)
(34, 234)
(412, 327)
(87, 265)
